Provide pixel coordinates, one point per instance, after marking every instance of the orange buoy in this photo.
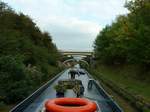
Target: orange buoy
(70, 105)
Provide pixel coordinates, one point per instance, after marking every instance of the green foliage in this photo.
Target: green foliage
(120, 80)
(28, 56)
(13, 86)
(83, 65)
(127, 42)
(127, 39)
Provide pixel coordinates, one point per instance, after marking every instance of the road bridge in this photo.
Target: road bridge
(82, 56)
(77, 53)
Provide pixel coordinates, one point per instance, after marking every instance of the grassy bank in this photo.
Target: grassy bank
(122, 76)
(125, 105)
(123, 79)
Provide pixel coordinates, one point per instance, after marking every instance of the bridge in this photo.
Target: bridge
(82, 56)
(77, 53)
(35, 102)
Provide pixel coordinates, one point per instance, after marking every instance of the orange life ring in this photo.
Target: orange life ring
(70, 105)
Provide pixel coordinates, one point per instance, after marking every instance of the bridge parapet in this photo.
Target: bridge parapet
(77, 53)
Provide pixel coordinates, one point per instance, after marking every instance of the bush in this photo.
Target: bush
(13, 85)
(126, 40)
(28, 56)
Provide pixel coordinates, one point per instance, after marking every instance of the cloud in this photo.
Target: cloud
(73, 34)
(73, 24)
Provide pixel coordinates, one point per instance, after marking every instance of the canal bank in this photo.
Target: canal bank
(128, 101)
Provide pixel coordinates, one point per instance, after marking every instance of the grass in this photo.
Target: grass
(122, 103)
(125, 77)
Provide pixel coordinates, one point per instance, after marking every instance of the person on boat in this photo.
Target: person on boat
(73, 73)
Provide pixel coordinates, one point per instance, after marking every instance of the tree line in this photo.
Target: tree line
(28, 57)
(127, 39)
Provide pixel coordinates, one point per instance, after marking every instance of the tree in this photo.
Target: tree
(127, 39)
(13, 85)
(27, 55)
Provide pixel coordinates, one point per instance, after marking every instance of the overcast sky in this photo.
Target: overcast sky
(73, 24)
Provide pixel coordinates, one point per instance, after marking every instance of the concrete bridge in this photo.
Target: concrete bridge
(77, 53)
(79, 56)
